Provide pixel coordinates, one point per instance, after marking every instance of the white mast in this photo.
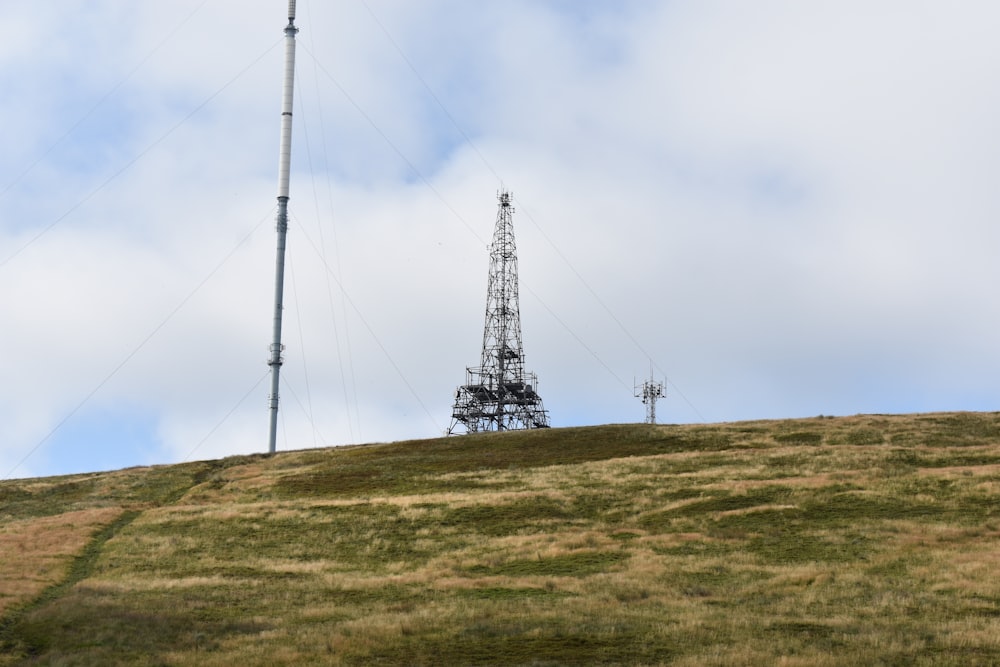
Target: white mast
(284, 163)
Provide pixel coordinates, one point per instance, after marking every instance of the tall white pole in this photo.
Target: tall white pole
(284, 164)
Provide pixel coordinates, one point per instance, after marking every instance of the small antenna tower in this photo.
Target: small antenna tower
(284, 164)
(650, 392)
(499, 395)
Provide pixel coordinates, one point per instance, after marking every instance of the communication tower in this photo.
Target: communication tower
(499, 395)
(650, 392)
(284, 162)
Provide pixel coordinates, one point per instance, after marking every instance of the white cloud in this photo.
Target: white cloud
(788, 206)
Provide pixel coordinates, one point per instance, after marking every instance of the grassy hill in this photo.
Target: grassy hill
(825, 541)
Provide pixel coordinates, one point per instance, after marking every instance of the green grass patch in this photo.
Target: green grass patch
(497, 593)
(579, 564)
(537, 513)
(799, 438)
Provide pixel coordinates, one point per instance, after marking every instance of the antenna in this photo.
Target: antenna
(499, 395)
(284, 163)
(650, 392)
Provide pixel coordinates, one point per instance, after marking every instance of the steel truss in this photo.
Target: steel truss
(500, 395)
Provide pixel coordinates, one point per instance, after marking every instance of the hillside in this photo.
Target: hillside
(823, 541)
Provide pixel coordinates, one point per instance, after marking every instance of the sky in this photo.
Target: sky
(782, 208)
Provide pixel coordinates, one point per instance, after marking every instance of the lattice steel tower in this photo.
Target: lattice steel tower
(499, 395)
(650, 392)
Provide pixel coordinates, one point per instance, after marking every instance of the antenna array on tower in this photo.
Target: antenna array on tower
(650, 392)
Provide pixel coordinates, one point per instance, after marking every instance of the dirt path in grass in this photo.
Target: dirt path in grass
(38, 553)
(41, 558)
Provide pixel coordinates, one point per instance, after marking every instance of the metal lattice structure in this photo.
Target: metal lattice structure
(500, 395)
(650, 392)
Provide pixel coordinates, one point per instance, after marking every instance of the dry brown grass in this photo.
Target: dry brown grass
(35, 553)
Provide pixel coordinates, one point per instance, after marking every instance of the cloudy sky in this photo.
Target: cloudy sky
(787, 208)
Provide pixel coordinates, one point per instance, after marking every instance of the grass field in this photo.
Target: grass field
(869, 540)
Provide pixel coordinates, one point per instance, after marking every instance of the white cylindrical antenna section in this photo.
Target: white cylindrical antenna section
(285, 145)
(284, 166)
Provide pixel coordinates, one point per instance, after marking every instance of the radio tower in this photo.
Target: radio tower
(284, 165)
(499, 395)
(649, 392)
